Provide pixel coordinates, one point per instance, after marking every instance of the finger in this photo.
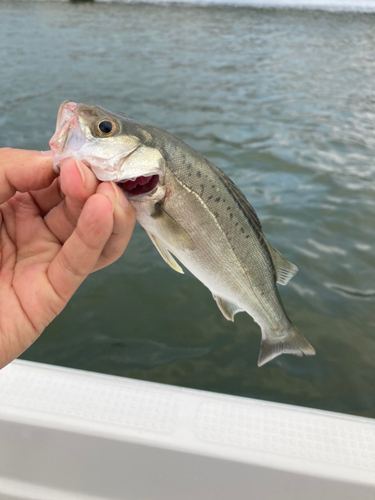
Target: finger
(49, 197)
(123, 225)
(22, 170)
(81, 252)
(78, 183)
(25, 226)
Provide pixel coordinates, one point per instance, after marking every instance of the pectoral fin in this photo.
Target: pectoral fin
(170, 230)
(167, 256)
(285, 270)
(227, 308)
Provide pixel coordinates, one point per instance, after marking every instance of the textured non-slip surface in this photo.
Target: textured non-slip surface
(84, 435)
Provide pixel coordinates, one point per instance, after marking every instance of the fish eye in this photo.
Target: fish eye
(106, 127)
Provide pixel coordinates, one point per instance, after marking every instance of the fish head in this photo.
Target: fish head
(112, 145)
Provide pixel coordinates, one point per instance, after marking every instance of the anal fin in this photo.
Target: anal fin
(167, 256)
(227, 308)
(285, 270)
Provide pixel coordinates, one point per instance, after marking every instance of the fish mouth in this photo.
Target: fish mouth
(140, 185)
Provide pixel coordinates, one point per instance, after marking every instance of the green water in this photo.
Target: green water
(284, 103)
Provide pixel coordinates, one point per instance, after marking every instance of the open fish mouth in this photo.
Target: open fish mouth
(111, 155)
(140, 185)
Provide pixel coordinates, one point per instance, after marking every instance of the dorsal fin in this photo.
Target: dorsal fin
(284, 269)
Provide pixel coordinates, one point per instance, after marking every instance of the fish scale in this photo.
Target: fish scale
(195, 214)
(226, 239)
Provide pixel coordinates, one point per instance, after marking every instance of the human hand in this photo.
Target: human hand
(53, 233)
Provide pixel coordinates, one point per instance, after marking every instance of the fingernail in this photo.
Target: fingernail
(48, 153)
(80, 170)
(120, 198)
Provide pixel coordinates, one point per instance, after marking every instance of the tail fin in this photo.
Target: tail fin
(291, 342)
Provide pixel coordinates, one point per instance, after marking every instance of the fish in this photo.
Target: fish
(193, 213)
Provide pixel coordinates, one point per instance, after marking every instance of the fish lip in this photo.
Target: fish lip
(60, 112)
(66, 118)
(125, 179)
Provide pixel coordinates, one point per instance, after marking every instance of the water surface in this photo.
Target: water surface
(284, 102)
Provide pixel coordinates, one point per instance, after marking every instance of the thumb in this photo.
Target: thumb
(81, 252)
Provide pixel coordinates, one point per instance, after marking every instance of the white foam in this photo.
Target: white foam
(328, 5)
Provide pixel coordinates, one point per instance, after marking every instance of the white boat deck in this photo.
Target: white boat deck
(68, 434)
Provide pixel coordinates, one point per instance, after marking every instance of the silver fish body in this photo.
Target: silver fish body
(193, 213)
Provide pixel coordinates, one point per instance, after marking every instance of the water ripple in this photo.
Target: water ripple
(302, 291)
(304, 251)
(326, 248)
(351, 292)
(272, 97)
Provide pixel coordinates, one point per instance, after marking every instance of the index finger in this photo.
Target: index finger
(22, 170)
